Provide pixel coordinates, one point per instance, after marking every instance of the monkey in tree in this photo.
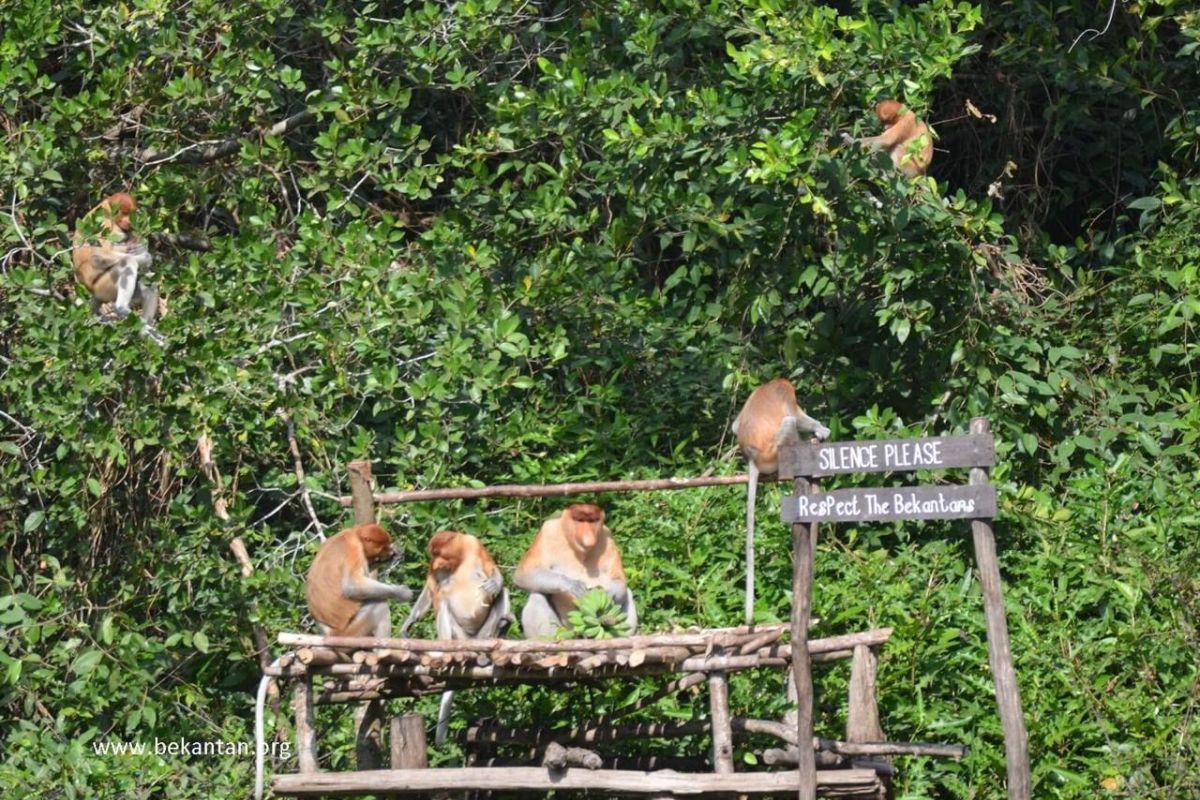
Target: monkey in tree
(466, 591)
(343, 595)
(770, 418)
(906, 139)
(571, 554)
(107, 263)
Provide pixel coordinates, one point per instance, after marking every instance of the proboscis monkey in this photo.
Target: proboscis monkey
(571, 554)
(771, 417)
(343, 595)
(345, 599)
(466, 591)
(107, 265)
(906, 138)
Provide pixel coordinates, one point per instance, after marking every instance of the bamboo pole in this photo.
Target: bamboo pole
(1008, 694)
(550, 490)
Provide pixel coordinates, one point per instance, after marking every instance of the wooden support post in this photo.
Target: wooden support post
(360, 492)
(862, 723)
(368, 719)
(1008, 695)
(722, 732)
(306, 727)
(804, 542)
(408, 742)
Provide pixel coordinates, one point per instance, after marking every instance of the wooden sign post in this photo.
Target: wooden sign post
(976, 501)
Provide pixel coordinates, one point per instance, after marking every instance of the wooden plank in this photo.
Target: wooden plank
(1008, 694)
(879, 504)
(835, 783)
(886, 455)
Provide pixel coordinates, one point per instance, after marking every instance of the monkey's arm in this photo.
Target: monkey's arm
(419, 609)
(365, 588)
(886, 140)
(547, 581)
(498, 619)
(492, 584)
(630, 609)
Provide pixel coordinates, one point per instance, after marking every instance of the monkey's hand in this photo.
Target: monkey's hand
(402, 593)
(617, 591)
(492, 584)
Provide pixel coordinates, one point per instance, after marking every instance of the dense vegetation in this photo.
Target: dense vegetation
(538, 242)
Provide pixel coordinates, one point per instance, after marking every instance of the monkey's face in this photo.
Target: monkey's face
(445, 551)
(376, 544)
(888, 112)
(585, 535)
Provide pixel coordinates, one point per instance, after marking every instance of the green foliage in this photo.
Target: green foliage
(511, 243)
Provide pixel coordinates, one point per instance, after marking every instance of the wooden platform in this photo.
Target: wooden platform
(832, 783)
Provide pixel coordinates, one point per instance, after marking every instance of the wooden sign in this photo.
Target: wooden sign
(892, 503)
(886, 455)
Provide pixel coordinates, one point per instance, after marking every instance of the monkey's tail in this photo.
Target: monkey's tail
(259, 744)
(443, 723)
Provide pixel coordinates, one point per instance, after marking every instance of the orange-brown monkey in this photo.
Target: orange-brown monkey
(906, 139)
(343, 595)
(771, 417)
(108, 267)
(345, 600)
(466, 591)
(571, 554)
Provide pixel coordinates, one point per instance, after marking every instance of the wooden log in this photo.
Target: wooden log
(553, 490)
(760, 641)
(320, 656)
(638, 762)
(787, 756)
(722, 733)
(558, 757)
(513, 646)
(1008, 694)
(407, 742)
(837, 783)
(494, 733)
(862, 721)
(306, 728)
(804, 543)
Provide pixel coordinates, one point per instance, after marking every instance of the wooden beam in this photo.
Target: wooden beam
(834, 783)
(551, 490)
(1008, 694)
